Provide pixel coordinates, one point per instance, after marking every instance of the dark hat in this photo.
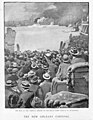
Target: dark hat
(74, 51)
(34, 79)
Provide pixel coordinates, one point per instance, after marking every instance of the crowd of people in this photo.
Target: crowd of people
(30, 75)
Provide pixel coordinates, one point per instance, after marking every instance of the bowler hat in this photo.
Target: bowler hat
(66, 58)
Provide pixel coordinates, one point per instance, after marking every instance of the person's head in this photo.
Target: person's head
(6, 58)
(74, 52)
(14, 71)
(57, 63)
(34, 80)
(31, 74)
(36, 102)
(65, 58)
(13, 100)
(25, 76)
(9, 70)
(14, 65)
(34, 66)
(21, 57)
(39, 65)
(86, 53)
(46, 76)
(9, 83)
(53, 55)
(25, 84)
(48, 55)
(11, 58)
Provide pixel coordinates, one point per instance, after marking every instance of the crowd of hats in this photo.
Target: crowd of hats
(80, 42)
(34, 60)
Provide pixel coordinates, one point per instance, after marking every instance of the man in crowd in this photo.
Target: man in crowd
(13, 76)
(61, 76)
(52, 67)
(45, 85)
(76, 56)
(38, 73)
(62, 70)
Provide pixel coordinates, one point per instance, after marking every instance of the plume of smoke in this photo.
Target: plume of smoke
(72, 13)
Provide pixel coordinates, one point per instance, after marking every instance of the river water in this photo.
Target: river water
(41, 37)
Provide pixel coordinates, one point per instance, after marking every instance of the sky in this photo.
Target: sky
(24, 11)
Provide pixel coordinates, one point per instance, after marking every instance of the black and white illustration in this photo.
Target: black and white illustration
(46, 54)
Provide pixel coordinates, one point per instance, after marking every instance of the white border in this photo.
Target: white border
(73, 113)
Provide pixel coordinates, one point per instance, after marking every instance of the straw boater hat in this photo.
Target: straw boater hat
(25, 76)
(33, 65)
(10, 83)
(14, 65)
(14, 70)
(31, 73)
(9, 69)
(39, 65)
(44, 67)
(74, 51)
(25, 84)
(34, 79)
(48, 54)
(66, 58)
(46, 76)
